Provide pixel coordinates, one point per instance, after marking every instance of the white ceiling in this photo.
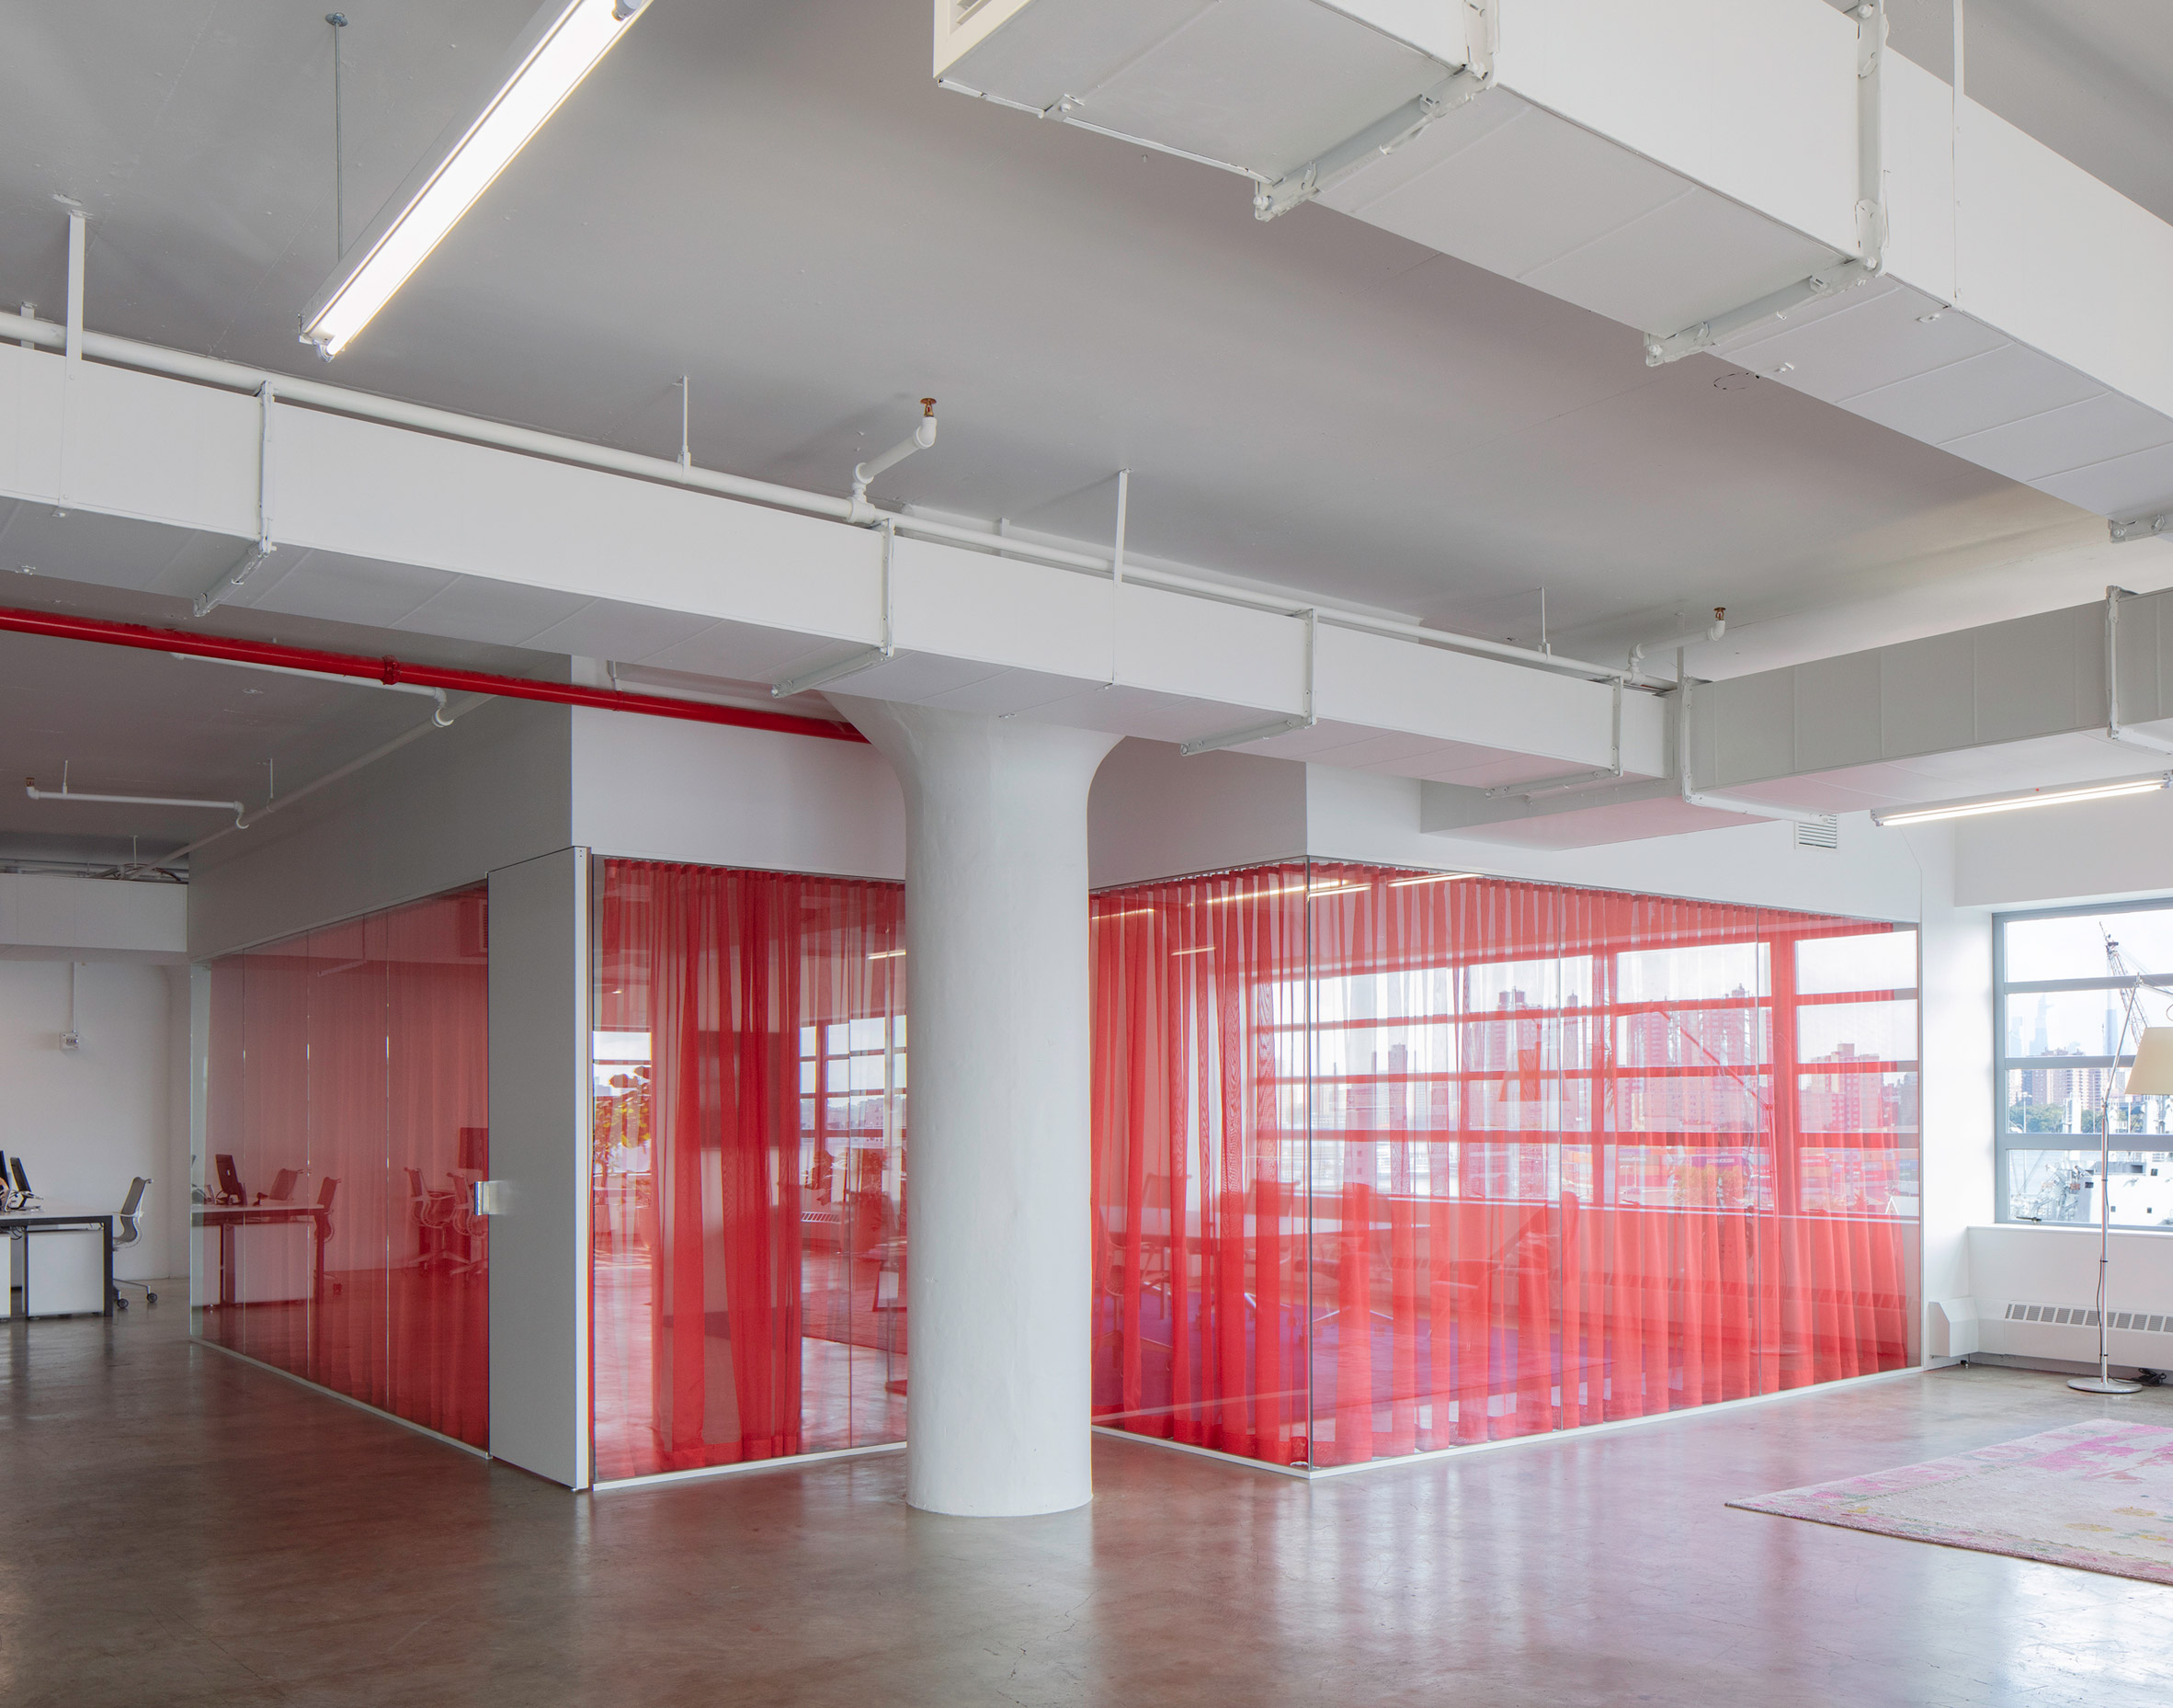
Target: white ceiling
(126, 722)
(776, 201)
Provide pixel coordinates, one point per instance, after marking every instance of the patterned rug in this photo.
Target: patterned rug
(2096, 1495)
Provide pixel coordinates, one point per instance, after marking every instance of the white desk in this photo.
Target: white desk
(63, 1260)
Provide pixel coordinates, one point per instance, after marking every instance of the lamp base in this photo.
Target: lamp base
(2104, 1385)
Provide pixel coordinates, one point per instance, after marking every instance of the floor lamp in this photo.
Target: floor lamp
(2152, 1075)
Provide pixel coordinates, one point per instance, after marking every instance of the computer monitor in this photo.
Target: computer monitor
(282, 1185)
(230, 1181)
(22, 1181)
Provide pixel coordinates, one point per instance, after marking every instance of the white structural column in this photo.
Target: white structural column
(998, 1255)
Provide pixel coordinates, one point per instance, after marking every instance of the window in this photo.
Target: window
(2067, 1013)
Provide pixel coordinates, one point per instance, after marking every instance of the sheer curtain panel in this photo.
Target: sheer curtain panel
(749, 1166)
(1392, 1161)
(346, 1119)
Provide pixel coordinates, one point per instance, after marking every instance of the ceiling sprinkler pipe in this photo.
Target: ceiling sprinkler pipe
(32, 789)
(388, 672)
(921, 438)
(527, 441)
(1675, 643)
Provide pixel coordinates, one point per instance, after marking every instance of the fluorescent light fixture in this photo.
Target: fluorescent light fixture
(2023, 800)
(1431, 877)
(888, 954)
(561, 46)
(1206, 949)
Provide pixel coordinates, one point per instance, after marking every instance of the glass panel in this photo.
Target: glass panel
(748, 1270)
(1877, 961)
(2075, 945)
(346, 1080)
(1545, 1181)
(1857, 1031)
(2068, 1022)
(1203, 1295)
(436, 1247)
(2061, 1185)
(2068, 1099)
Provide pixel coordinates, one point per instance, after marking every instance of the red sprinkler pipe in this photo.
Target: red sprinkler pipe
(60, 625)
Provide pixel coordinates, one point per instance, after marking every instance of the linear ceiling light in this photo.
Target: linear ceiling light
(1431, 877)
(2023, 800)
(562, 45)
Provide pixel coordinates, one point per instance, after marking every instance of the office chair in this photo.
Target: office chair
(283, 1190)
(434, 1215)
(128, 1231)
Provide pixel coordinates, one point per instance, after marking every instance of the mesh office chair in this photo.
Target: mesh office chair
(128, 1230)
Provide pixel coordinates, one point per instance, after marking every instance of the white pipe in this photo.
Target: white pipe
(1675, 643)
(436, 694)
(316, 394)
(921, 437)
(438, 720)
(36, 794)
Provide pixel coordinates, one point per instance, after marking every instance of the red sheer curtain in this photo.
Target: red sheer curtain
(749, 1254)
(438, 1092)
(1203, 1285)
(1549, 1154)
(346, 1079)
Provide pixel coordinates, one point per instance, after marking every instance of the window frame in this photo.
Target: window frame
(2005, 1141)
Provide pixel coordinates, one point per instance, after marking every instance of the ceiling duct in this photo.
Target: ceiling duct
(1764, 177)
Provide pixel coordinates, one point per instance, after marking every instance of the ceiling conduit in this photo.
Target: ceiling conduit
(397, 673)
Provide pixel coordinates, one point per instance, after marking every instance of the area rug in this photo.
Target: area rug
(2096, 1495)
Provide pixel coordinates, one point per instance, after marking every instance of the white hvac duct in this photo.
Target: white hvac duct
(1764, 179)
(315, 394)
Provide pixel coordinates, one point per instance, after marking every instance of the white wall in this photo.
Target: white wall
(2059, 1266)
(43, 913)
(86, 1123)
(1958, 1101)
(649, 788)
(445, 811)
(1154, 813)
(1362, 816)
(2100, 851)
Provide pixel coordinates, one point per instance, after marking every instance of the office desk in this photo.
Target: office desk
(49, 1218)
(229, 1218)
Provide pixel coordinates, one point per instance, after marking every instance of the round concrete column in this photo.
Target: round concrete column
(998, 1252)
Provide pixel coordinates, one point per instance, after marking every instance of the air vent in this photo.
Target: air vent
(2082, 1316)
(961, 10)
(1825, 834)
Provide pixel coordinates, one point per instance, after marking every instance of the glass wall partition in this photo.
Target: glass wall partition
(1391, 1161)
(748, 1264)
(346, 1122)
(2074, 988)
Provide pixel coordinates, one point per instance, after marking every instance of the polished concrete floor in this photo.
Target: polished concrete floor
(181, 1529)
